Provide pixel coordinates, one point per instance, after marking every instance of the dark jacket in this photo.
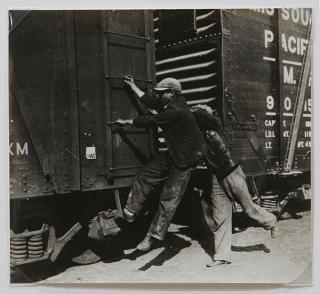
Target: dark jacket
(183, 137)
(216, 153)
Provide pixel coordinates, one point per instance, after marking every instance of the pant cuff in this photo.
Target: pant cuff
(131, 209)
(156, 236)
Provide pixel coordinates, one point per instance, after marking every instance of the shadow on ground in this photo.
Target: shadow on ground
(171, 247)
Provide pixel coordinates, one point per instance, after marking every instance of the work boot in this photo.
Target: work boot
(287, 215)
(146, 243)
(128, 215)
(87, 257)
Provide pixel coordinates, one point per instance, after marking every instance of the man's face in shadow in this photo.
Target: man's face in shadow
(165, 96)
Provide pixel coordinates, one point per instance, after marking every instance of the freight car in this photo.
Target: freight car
(253, 67)
(67, 162)
(66, 70)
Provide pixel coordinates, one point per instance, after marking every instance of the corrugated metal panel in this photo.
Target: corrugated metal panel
(193, 61)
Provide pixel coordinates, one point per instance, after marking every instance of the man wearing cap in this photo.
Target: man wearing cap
(185, 144)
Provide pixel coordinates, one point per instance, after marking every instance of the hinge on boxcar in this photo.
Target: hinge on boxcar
(236, 125)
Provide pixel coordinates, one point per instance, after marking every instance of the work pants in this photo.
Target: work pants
(176, 181)
(217, 210)
(235, 186)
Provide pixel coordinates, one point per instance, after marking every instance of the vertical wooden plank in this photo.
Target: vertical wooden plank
(150, 61)
(74, 168)
(149, 35)
(90, 95)
(107, 95)
(61, 149)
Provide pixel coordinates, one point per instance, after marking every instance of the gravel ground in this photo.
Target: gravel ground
(256, 258)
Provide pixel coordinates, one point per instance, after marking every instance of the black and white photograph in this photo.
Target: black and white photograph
(161, 145)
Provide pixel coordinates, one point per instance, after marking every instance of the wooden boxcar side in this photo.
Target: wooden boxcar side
(264, 52)
(66, 70)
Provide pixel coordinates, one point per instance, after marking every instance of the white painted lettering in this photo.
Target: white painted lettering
(285, 14)
(22, 151)
(10, 149)
(285, 134)
(268, 145)
(303, 144)
(269, 134)
(294, 45)
(268, 38)
(304, 44)
(268, 11)
(295, 15)
(307, 134)
(305, 17)
(287, 103)
(270, 102)
(307, 105)
(300, 144)
(269, 123)
(292, 48)
(288, 75)
(18, 149)
(284, 42)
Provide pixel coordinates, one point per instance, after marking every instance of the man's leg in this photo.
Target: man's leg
(171, 196)
(150, 175)
(236, 186)
(218, 215)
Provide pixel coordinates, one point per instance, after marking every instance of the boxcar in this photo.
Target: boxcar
(253, 67)
(66, 70)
